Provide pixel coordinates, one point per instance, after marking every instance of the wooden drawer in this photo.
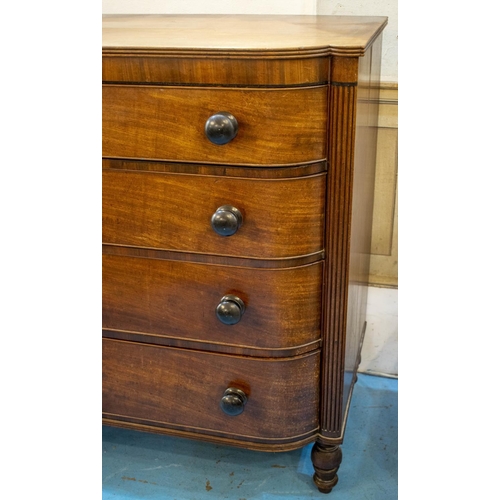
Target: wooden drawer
(297, 99)
(182, 389)
(281, 217)
(276, 126)
(165, 299)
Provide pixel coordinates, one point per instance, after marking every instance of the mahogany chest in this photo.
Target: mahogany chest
(238, 174)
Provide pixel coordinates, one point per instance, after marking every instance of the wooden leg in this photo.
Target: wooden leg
(326, 462)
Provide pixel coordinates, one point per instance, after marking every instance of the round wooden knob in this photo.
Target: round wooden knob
(233, 401)
(230, 309)
(226, 220)
(221, 128)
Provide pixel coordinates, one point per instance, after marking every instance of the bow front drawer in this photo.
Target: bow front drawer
(158, 299)
(268, 401)
(215, 125)
(255, 218)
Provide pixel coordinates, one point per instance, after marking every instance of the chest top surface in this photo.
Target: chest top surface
(340, 35)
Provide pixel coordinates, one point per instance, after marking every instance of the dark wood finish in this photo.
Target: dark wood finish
(276, 126)
(226, 220)
(233, 401)
(207, 71)
(281, 218)
(338, 218)
(178, 300)
(221, 128)
(326, 462)
(230, 309)
(300, 170)
(269, 172)
(218, 260)
(272, 352)
(179, 431)
(183, 388)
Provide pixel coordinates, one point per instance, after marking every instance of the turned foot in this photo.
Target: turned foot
(326, 462)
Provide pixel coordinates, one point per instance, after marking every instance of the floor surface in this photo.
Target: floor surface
(146, 466)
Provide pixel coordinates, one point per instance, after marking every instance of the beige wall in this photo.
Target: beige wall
(387, 8)
(384, 258)
(294, 7)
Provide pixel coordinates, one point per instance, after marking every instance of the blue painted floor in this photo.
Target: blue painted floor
(146, 466)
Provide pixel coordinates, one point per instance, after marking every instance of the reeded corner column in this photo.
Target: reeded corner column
(326, 454)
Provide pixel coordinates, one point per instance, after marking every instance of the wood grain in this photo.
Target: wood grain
(278, 445)
(281, 218)
(276, 126)
(178, 387)
(218, 260)
(178, 300)
(300, 170)
(250, 35)
(210, 346)
(337, 241)
(206, 71)
(353, 125)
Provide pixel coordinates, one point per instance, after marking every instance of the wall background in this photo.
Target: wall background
(387, 8)
(204, 7)
(380, 349)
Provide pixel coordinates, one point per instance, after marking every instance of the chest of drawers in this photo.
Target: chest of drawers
(238, 174)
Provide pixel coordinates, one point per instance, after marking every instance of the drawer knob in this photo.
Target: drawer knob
(221, 128)
(230, 309)
(233, 402)
(226, 220)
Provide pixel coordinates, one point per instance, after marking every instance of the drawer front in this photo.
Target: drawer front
(183, 389)
(279, 217)
(275, 126)
(174, 299)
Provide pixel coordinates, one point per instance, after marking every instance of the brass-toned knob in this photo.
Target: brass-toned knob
(221, 128)
(230, 309)
(226, 220)
(233, 401)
